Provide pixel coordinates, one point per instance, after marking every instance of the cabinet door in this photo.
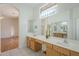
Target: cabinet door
(62, 51)
(56, 53)
(38, 46)
(50, 51)
(35, 45)
(32, 45)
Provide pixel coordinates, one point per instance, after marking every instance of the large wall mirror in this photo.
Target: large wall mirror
(57, 24)
(64, 23)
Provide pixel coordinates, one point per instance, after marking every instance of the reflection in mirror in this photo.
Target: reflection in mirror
(63, 24)
(59, 24)
(56, 25)
(60, 29)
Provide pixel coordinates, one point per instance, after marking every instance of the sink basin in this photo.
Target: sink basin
(63, 43)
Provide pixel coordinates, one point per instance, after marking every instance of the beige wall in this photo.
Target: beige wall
(9, 27)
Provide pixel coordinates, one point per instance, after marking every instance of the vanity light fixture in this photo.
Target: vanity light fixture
(51, 10)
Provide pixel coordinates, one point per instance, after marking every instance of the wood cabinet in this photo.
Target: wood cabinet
(9, 43)
(61, 50)
(33, 44)
(50, 51)
(53, 50)
(73, 53)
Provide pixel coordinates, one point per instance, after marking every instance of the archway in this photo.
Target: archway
(9, 16)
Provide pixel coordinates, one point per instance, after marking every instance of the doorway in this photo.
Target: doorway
(9, 27)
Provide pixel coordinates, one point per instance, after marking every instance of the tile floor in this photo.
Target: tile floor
(21, 52)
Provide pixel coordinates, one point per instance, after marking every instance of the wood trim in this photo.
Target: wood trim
(9, 43)
(10, 37)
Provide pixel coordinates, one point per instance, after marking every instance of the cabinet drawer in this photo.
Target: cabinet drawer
(61, 50)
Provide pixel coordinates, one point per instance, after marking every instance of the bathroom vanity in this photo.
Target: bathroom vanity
(54, 46)
(33, 44)
(62, 27)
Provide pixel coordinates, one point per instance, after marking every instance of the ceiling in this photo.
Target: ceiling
(9, 10)
(67, 6)
(34, 4)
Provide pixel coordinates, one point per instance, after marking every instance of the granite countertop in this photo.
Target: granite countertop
(71, 44)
